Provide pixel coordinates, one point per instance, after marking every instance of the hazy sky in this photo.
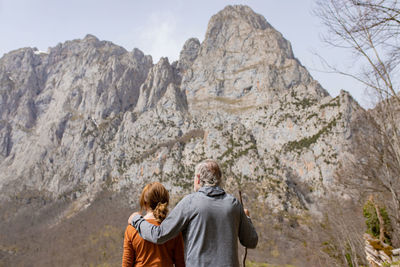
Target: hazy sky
(160, 28)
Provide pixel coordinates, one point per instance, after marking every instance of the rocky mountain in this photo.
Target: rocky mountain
(88, 118)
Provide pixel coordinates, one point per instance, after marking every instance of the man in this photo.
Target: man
(210, 220)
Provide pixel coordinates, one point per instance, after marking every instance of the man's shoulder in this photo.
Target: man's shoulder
(232, 198)
(188, 197)
(186, 200)
(191, 199)
(196, 196)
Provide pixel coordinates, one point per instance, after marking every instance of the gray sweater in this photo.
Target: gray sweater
(211, 222)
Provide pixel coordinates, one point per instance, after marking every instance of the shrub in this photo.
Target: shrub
(372, 221)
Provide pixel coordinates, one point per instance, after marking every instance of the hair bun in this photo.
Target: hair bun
(161, 211)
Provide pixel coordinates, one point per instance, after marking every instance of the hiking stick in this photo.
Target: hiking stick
(245, 248)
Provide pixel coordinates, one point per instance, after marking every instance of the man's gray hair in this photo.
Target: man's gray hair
(210, 173)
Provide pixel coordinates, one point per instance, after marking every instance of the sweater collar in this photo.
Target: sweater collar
(212, 191)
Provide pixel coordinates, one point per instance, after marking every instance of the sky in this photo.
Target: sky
(160, 28)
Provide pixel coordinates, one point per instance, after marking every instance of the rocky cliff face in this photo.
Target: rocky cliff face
(49, 101)
(89, 116)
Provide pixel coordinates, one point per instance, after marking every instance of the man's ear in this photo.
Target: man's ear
(198, 179)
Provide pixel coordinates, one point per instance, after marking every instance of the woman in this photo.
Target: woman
(139, 252)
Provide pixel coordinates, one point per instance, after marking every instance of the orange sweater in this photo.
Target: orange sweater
(139, 252)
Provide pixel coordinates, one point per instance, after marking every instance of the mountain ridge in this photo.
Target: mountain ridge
(89, 117)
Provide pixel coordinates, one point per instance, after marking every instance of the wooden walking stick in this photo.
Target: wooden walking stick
(245, 248)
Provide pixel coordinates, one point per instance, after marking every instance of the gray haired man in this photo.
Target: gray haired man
(210, 220)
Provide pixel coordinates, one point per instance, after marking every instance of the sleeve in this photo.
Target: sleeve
(178, 255)
(247, 233)
(128, 256)
(175, 222)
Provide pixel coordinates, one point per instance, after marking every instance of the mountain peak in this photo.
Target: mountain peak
(234, 18)
(244, 57)
(235, 25)
(239, 13)
(90, 37)
(188, 54)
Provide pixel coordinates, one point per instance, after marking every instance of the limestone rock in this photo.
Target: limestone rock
(188, 54)
(88, 115)
(155, 86)
(244, 60)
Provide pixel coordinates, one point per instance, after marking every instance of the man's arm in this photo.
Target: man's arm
(175, 222)
(247, 233)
